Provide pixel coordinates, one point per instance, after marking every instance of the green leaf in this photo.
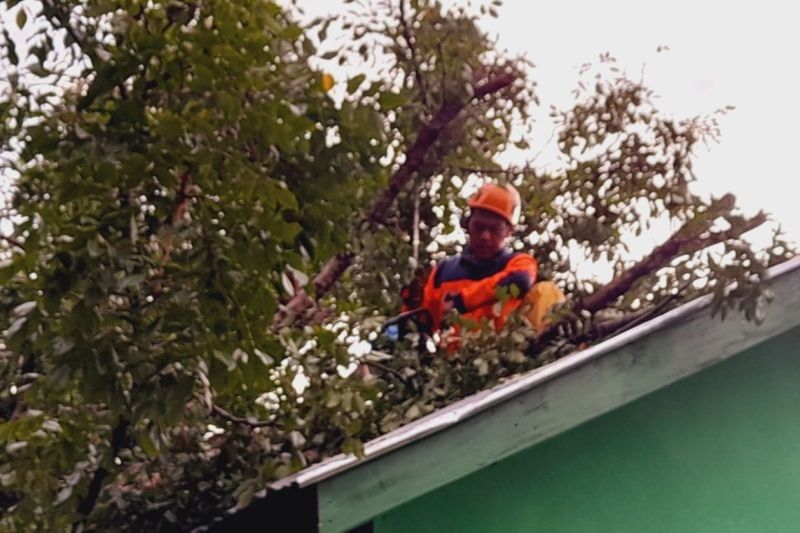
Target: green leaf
(390, 100)
(8, 271)
(244, 494)
(170, 126)
(353, 446)
(292, 32)
(226, 358)
(22, 17)
(148, 444)
(354, 82)
(94, 248)
(272, 24)
(38, 70)
(333, 400)
(285, 198)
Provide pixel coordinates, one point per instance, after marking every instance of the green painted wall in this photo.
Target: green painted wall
(716, 452)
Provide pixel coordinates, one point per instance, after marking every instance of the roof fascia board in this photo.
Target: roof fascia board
(510, 417)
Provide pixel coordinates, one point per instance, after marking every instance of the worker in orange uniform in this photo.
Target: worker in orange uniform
(469, 281)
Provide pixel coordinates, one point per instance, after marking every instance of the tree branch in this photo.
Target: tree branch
(118, 437)
(626, 322)
(415, 158)
(13, 241)
(404, 380)
(182, 200)
(677, 245)
(222, 413)
(415, 226)
(687, 240)
(428, 135)
(331, 272)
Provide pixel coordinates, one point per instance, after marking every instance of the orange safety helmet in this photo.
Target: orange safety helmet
(503, 201)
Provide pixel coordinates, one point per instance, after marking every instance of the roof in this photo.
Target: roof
(514, 415)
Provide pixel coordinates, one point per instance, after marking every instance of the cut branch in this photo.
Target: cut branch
(301, 302)
(428, 135)
(677, 245)
(686, 241)
(331, 272)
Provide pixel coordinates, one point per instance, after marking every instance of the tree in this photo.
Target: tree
(203, 232)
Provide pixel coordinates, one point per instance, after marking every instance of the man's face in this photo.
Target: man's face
(487, 232)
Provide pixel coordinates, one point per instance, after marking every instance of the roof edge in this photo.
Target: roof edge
(481, 401)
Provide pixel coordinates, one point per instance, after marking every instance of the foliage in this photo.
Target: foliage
(181, 169)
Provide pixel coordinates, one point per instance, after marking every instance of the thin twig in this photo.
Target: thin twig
(119, 437)
(219, 411)
(389, 370)
(412, 48)
(415, 229)
(546, 144)
(13, 241)
(654, 311)
(53, 12)
(443, 66)
(506, 171)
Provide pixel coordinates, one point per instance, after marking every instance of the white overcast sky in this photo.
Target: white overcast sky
(720, 53)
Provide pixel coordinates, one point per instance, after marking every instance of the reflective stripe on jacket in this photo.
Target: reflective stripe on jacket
(472, 286)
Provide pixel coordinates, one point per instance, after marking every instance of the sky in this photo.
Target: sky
(719, 54)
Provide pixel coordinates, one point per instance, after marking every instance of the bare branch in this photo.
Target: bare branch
(331, 272)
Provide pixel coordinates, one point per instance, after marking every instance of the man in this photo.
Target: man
(468, 282)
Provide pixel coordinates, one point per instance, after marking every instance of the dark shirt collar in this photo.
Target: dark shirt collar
(470, 259)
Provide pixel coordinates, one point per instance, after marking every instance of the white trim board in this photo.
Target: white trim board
(491, 425)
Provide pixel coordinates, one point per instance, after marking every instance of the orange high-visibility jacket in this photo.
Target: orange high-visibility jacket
(472, 285)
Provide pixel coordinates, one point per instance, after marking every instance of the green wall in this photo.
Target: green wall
(716, 452)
